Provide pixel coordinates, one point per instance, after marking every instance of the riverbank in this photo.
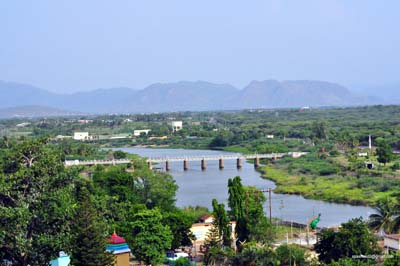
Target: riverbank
(198, 188)
(326, 188)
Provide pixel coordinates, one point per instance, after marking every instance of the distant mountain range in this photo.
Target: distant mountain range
(180, 96)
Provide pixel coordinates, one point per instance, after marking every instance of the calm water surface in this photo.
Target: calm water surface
(197, 187)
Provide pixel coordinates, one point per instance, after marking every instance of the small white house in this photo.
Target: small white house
(137, 133)
(81, 135)
(176, 125)
(392, 242)
(25, 124)
(269, 136)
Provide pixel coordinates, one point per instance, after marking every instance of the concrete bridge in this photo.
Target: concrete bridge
(186, 159)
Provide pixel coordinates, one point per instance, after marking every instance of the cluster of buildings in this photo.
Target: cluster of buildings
(85, 136)
(119, 248)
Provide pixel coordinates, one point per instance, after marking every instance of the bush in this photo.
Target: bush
(396, 166)
(290, 254)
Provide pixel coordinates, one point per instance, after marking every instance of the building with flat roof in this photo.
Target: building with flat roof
(176, 125)
(81, 135)
(139, 132)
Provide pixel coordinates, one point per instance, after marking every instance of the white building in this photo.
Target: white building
(392, 242)
(25, 124)
(201, 229)
(137, 133)
(81, 135)
(176, 125)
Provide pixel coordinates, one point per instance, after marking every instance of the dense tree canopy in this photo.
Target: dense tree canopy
(147, 237)
(353, 238)
(35, 203)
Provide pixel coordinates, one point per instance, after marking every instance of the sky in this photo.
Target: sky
(75, 45)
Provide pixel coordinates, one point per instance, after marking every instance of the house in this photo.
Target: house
(81, 136)
(25, 124)
(137, 133)
(206, 218)
(176, 125)
(201, 229)
(362, 154)
(269, 136)
(392, 242)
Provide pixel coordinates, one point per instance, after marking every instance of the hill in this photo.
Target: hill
(185, 95)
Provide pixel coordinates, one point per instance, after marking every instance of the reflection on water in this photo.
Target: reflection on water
(197, 187)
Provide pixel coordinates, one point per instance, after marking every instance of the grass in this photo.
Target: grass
(332, 188)
(282, 231)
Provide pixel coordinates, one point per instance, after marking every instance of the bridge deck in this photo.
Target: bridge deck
(215, 157)
(186, 158)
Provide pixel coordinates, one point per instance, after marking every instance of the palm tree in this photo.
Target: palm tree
(396, 220)
(387, 216)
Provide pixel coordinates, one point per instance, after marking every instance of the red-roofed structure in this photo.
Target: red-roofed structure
(116, 239)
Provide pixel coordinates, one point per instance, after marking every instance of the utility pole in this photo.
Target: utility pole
(270, 205)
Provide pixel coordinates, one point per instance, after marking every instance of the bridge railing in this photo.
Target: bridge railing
(187, 158)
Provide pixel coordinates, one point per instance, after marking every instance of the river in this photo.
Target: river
(197, 187)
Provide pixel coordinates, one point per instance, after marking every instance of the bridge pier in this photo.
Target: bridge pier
(185, 165)
(149, 164)
(221, 163)
(238, 163)
(167, 168)
(256, 162)
(203, 164)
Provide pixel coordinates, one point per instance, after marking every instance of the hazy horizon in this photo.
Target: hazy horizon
(68, 46)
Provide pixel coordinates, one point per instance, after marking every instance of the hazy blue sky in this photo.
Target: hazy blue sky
(86, 44)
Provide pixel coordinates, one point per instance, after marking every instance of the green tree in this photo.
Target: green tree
(213, 238)
(143, 186)
(320, 130)
(218, 237)
(236, 197)
(147, 237)
(36, 207)
(353, 238)
(180, 224)
(385, 216)
(246, 205)
(221, 221)
(394, 261)
(236, 202)
(384, 151)
(88, 244)
(354, 262)
(255, 254)
(120, 154)
(290, 255)
(223, 139)
(258, 226)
